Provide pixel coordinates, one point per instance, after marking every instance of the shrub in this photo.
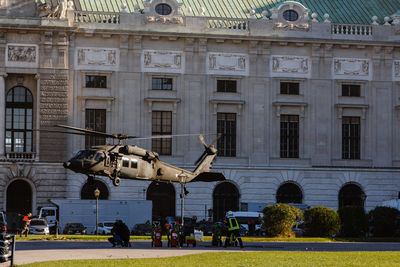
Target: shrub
(279, 219)
(354, 221)
(321, 221)
(384, 221)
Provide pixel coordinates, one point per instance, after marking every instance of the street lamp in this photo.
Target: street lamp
(182, 178)
(96, 195)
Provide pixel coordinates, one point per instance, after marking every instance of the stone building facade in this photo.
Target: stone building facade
(309, 107)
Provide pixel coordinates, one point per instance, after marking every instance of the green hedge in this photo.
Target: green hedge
(321, 221)
(384, 222)
(279, 220)
(354, 222)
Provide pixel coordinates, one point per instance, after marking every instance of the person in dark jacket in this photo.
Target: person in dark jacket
(120, 234)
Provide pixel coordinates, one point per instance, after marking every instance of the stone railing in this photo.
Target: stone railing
(20, 156)
(228, 24)
(351, 29)
(97, 17)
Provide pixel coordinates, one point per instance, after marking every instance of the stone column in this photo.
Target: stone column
(2, 117)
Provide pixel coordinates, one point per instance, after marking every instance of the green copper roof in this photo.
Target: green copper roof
(340, 11)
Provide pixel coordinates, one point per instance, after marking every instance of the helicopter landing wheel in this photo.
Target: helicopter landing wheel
(116, 181)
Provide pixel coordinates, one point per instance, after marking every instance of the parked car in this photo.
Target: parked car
(104, 228)
(141, 229)
(39, 227)
(73, 228)
(205, 227)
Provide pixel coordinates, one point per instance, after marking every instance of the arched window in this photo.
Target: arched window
(19, 120)
(351, 195)
(19, 201)
(225, 198)
(88, 188)
(163, 9)
(163, 197)
(289, 193)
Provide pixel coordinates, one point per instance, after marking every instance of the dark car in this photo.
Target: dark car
(205, 227)
(73, 228)
(141, 229)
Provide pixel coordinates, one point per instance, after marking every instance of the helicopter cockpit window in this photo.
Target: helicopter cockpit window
(125, 163)
(85, 154)
(99, 156)
(134, 163)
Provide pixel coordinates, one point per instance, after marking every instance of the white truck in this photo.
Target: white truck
(82, 211)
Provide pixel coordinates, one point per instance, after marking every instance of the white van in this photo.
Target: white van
(244, 217)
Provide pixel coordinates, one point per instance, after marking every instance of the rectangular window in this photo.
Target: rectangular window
(162, 125)
(161, 83)
(289, 142)
(96, 121)
(226, 126)
(290, 88)
(351, 90)
(133, 163)
(227, 86)
(351, 138)
(125, 163)
(95, 81)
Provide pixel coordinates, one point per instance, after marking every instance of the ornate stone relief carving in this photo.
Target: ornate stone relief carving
(175, 17)
(352, 68)
(162, 61)
(227, 64)
(290, 66)
(301, 22)
(396, 70)
(97, 58)
(22, 55)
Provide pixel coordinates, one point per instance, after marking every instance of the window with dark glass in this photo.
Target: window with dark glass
(95, 81)
(163, 9)
(162, 125)
(290, 88)
(351, 90)
(96, 121)
(161, 83)
(133, 163)
(227, 86)
(125, 163)
(351, 137)
(19, 120)
(226, 127)
(289, 136)
(290, 15)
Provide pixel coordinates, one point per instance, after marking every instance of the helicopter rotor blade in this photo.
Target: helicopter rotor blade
(201, 157)
(159, 136)
(87, 131)
(216, 139)
(63, 132)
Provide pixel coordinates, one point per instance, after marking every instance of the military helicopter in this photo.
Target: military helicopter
(132, 162)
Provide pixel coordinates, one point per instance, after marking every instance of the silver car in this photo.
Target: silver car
(39, 227)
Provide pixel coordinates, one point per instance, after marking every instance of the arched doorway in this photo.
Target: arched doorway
(225, 198)
(289, 193)
(88, 188)
(19, 201)
(351, 195)
(163, 197)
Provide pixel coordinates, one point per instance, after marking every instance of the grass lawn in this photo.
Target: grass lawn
(270, 258)
(208, 238)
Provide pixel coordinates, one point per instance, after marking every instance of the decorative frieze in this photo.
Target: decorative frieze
(227, 64)
(162, 61)
(87, 58)
(290, 66)
(22, 55)
(352, 68)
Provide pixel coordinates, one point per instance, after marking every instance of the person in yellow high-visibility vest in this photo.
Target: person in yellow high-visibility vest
(233, 227)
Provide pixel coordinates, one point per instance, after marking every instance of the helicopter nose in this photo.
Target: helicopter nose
(67, 164)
